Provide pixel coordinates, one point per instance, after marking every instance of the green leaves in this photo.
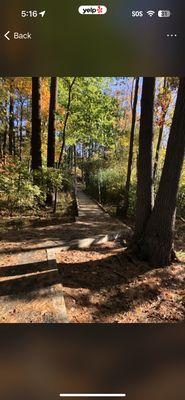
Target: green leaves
(92, 113)
(17, 189)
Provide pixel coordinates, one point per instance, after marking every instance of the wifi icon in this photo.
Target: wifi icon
(151, 13)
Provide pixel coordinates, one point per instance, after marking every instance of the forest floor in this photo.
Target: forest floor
(103, 286)
(88, 268)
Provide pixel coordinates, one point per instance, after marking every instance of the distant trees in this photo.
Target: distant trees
(85, 119)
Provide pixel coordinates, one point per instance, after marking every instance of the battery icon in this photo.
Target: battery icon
(164, 13)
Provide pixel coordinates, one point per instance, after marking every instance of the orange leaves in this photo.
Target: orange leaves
(45, 96)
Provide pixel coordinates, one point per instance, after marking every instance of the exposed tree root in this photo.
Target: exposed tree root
(139, 249)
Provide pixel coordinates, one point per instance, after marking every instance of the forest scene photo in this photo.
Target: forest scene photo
(92, 200)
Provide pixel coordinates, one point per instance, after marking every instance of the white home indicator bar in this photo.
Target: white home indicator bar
(92, 395)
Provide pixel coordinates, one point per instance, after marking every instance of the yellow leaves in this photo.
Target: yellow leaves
(4, 85)
(124, 141)
(23, 85)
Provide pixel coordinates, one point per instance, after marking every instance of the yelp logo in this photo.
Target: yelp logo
(100, 10)
(96, 10)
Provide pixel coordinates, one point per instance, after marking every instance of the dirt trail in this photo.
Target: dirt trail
(91, 222)
(30, 283)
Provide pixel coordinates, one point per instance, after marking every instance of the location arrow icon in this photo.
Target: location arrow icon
(42, 13)
(6, 35)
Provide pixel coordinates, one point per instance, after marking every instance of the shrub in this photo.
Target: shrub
(105, 185)
(17, 190)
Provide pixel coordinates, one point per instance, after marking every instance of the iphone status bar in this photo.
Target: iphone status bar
(117, 37)
(145, 15)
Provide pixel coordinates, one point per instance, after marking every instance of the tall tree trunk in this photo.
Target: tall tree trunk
(70, 157)
(164, 112)
(36, 124)
(75, 159)
(51, 131)
(157, 243)
(124, 210)
(65, 122)
(144, 201)
(14, 141)
(82, 160)
(5, 134)
(51, 124)
(4, 142)
(11, 123)
(21, 131)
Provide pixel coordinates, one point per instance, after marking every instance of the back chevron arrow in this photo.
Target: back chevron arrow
(6, 35)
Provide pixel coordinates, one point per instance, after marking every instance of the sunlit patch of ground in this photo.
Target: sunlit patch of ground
(102, 286)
